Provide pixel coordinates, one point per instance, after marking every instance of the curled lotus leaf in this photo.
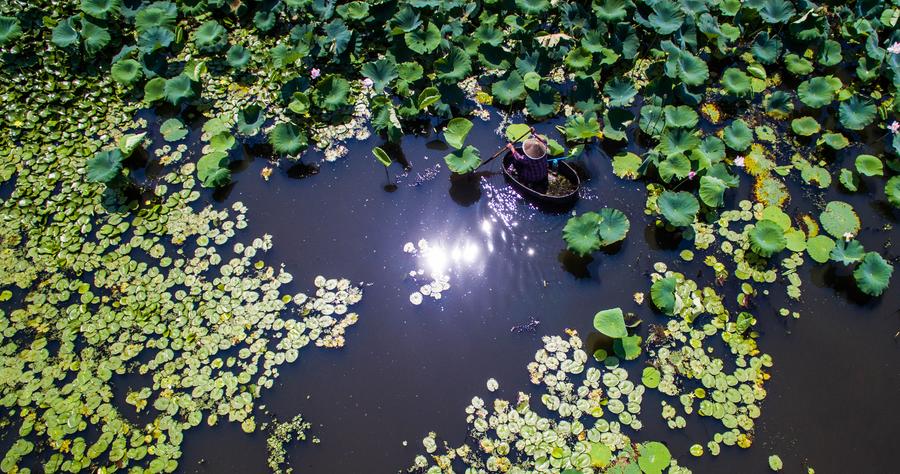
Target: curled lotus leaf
(767, 238)
(287, 139)
(10, 29)
(104, 166)
(582, 234)
(873, 275)
(662, 293)
(464, 160)
(679, 208)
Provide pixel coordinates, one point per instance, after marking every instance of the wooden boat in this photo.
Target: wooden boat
(561, 187)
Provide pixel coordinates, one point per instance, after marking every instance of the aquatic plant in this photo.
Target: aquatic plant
(592, 231)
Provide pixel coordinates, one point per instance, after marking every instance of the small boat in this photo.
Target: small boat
(561, 187)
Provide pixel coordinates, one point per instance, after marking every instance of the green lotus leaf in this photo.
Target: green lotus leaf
(130, 142)
(652, 120)
(626, 165)
(611, 10)
(381, 156)
(683, 65)
(173, 130)
(101, 8)
(126, 71)
(628, 347)
(653, 457)
(424, 41)
(819, 248)
(381, 72)
(212, 169)
(211, 37)
(578, 127)
(157, 14)
(849, 180)
(429, 96)
(579, 58)
(798, 65)
(65, 34)
(287, 139)
(453, 67)
(796, 240)
(611, 322)
(775, 463)
(95, 37)
(509, 90)
(830, 53)
(779, 104)
(517, 131)
(621, 92)
(582, 233)
(679, 208)
(719, 170)
(264, 20)
(331, 93)
(456, 132)
(738, 135)
(179, 88)
(678, 142)
(847, 253)
(237, 56)
(776, 11)
(355, 10)
(154, 89)
(856, 113)
(869, 165)
(873, 275)
(666, 17)
(662, 293)
(681, 116)
(836, 141)
(463, 161)
(612, 226)
(486, 33)
(736, 82)
(9, 29)
(839, 219)
(223, 142)
(410, 71)
(892, 191)
(712, 191)
(805, 126)
(337, 36)
(104, 166)
(818, 91)
(600, 454)
(767, 238)
(766, 49)
(674, 166)
(155, 38)
(533, 6)
(542, 102)
(250, 119)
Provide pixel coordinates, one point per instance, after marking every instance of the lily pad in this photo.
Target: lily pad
(611, 322)
(839, 219)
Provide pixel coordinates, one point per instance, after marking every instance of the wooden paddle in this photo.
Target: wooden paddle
(504, 148)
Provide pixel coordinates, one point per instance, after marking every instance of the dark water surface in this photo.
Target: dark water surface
(407, 370)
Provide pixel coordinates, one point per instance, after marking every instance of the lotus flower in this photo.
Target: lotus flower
(894, 48)
(368, 83)
(739, 162)
(692, 174)
(314, 73)
(894, 127)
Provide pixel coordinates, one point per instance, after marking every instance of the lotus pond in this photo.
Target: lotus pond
(250, 236)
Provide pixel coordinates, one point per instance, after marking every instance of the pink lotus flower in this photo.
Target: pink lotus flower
(314, 73)
(739, 162)
(894, 48)
(894, 127)
(692, 174)
(368, 83)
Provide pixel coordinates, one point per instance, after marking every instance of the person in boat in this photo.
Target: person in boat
(531, 165)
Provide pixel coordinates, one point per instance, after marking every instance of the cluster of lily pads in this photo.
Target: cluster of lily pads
(283, 433)
(576, 437)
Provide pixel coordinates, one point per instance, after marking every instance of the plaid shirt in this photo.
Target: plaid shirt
(530, 170)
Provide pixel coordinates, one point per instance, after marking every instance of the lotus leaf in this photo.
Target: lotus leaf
(126, 71)
(601, 455)
(679, 208)
(509, 90)
(611, 322)
(154, 89)
(429, 96)
(712, 191)
(626, 165)
(237, 57)
(869, 165)
(805, 126)
(836, 141)
(873, 275)
(381, 156)
(331, 93)
(211, 37)
(104, 166)
(818, 91)
(95, 37)
(775, 463)
(542, 102)
(856, 113)
(892, 191)
(456, 132)
(653, 457)
(839, 219)
(662, 292)
(464, 160)
(9, 29)
(287, 139)
(582, 233)
(621, 92)
(533, 6)
(847, 253)
(735, 81)
(683, 65)
(381, 72)
(628, 347)
(580, 127)
(65, 34)
(173, 130)
(680, 117)
(425, 40)
(738, 135)
(819, 248)
(130, 142)
(250, 119)
(612, 226)
(178, 88)
(212, 169)
(767, 238)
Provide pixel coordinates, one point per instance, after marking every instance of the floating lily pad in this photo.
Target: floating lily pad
(873, 275)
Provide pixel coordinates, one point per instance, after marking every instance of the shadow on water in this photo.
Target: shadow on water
(575, 264)
(659, 238)
(465, 190)
(301, 170)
